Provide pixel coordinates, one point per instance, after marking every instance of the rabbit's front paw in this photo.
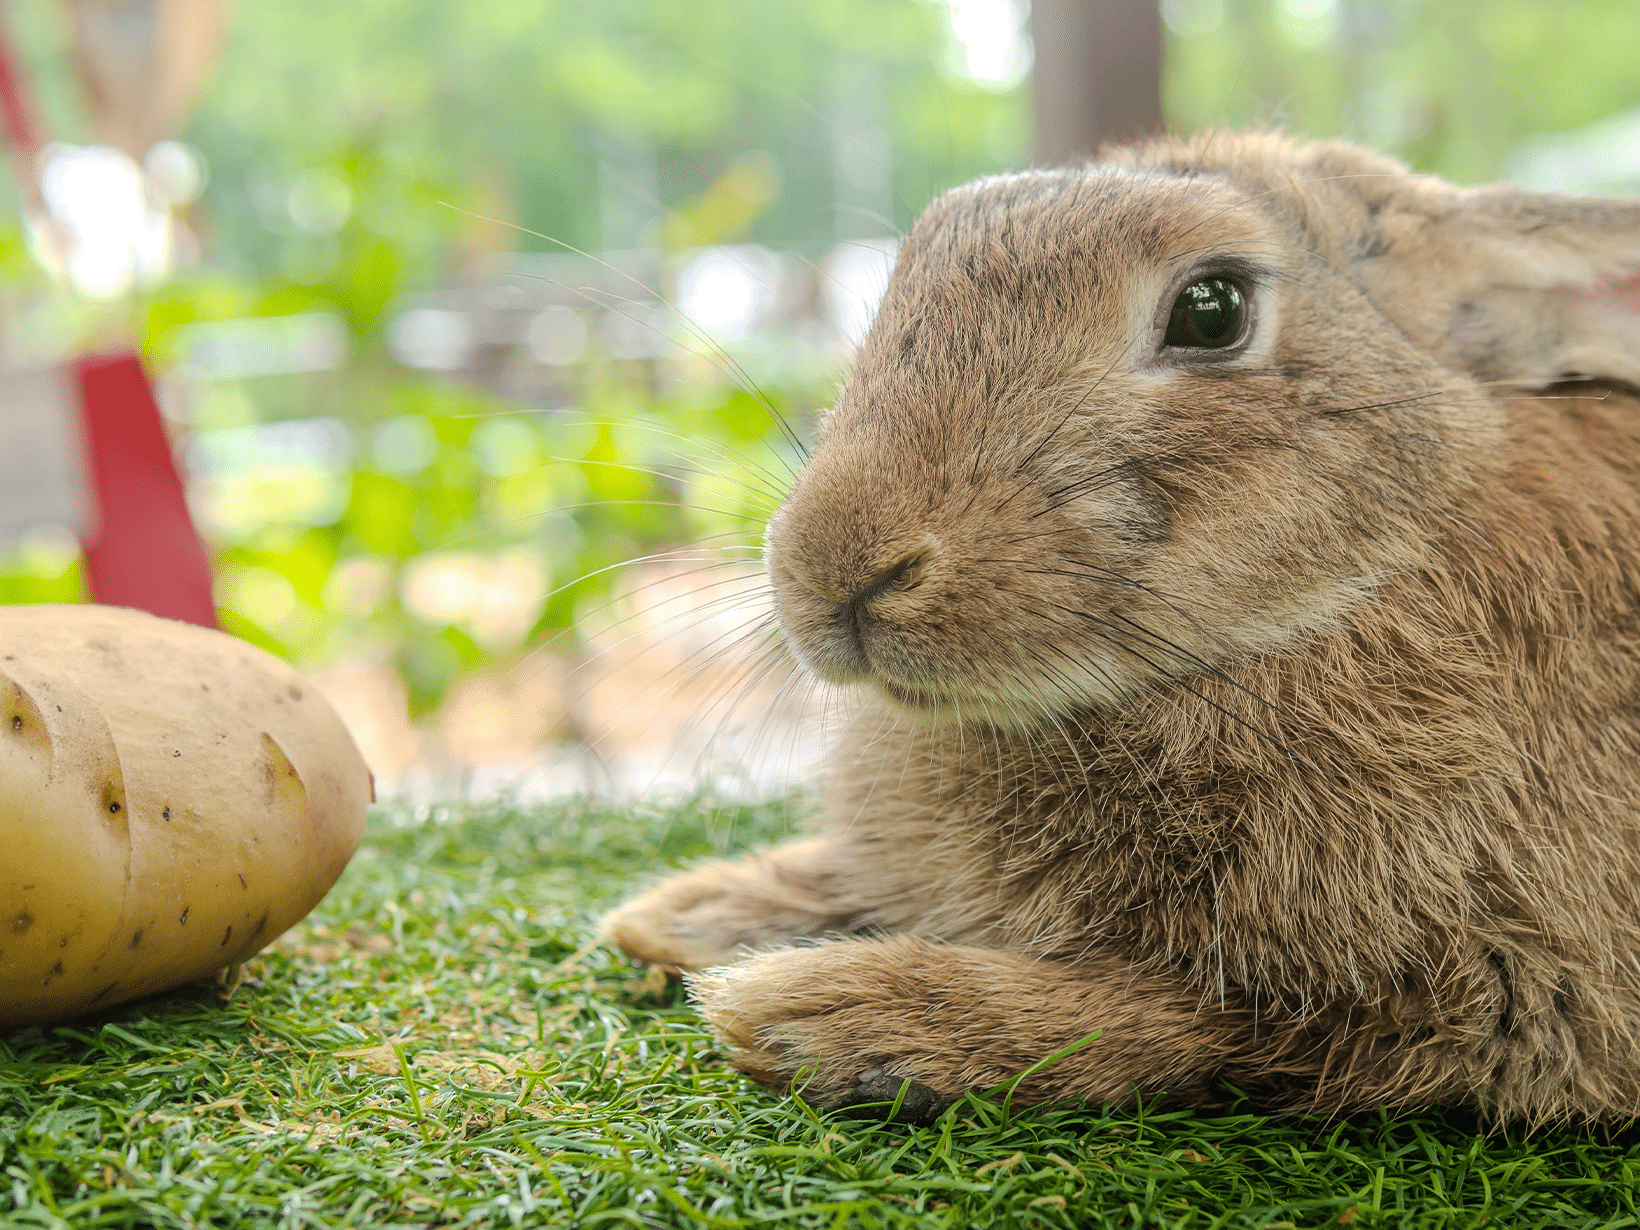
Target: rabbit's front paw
(677, 925)
(723, 911)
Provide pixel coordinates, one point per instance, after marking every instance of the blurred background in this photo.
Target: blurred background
(453, 309)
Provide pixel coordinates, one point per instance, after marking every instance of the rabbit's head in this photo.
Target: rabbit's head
(1117, 424)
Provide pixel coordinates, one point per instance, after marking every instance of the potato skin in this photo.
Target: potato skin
(171, 800)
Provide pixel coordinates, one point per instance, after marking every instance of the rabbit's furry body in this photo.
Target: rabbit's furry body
(1275, 712)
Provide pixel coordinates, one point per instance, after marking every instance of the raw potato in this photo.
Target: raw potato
(171, 799)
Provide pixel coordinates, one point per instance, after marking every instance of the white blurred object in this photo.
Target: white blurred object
(725, 292)
(265, 597)
(996, 51)
(115, 235)
(1602, 157)
(319, 202)
(404, 445)
(506, 446)
(294, 472)
(1309, 24)
(435, 339)
(557, 335)
(94, 216)
(176, 172)
(856, 274)
(292, 444)
(43, 479)
(1193, 18)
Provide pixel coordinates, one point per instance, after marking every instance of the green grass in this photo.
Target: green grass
(440, 1045)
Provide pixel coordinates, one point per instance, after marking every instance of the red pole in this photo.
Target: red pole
(146, 552)
(22, 128)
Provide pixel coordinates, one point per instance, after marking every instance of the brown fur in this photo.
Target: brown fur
(1278, 717)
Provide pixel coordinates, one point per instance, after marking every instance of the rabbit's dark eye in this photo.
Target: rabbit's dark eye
(1208, 315)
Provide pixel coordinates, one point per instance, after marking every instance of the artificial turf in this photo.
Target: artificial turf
(441, 1044)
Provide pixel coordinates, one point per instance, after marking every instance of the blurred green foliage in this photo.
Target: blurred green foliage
(350, 149)
(1448, 85)
(567, 116)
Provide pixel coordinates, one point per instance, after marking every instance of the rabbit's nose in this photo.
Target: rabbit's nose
(854, 611)
(907, 574)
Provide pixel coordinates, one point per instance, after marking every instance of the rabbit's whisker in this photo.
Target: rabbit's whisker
(706, 610)
(1383, 405)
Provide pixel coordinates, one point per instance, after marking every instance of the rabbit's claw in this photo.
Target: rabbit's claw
(892, 1099)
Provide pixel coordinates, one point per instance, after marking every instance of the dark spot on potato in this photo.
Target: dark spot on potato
(56, 972)
(22, 923)
(105, 990)
(176, 751)
(294, 692)
(17, 721)
(136, 938)
(11, 657)
(63, 943)
(204, 687)
(183, 921)
(226, 936)
(260, 923)
(166, 814)
(114, 806)
(241, 876)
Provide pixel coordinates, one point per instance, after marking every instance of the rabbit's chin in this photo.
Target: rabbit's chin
(1021, 713)
(924, 703)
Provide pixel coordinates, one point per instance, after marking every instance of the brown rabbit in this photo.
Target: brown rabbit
(1239, 542)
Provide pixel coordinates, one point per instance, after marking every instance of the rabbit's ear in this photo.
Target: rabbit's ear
(1513, 285)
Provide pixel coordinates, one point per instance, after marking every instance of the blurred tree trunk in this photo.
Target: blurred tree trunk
(142, 62)
(1098, 75)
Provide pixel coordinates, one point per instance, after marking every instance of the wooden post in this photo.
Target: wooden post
(1098, 75)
